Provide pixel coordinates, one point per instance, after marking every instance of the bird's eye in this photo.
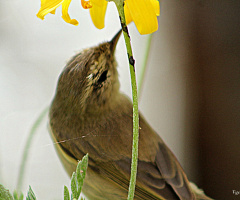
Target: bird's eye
(103, 77)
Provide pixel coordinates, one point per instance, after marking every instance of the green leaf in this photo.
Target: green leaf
(30, 194)
(81, 172)
(66, 193)
(5, 194)
(17, 196)
(78, 178)
(74, 185)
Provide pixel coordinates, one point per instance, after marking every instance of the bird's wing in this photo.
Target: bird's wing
(172, 172)
(154, 180)
(150, 184)
(159, 176)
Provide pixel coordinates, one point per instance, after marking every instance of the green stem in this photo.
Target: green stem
(26, 149)
(144, 66)
(119, 4)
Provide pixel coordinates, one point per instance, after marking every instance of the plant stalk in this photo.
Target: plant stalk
(26, 149)
(120, 8)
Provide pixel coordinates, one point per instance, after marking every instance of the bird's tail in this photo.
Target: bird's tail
(199, 194)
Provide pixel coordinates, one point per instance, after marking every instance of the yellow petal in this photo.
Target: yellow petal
(143, 15)
(65, 14)
(86, 4)
(98, 12)
(48, 6)
(127, 13)
(156, 6)
(99, 2)
(43, 2)
(53, 12)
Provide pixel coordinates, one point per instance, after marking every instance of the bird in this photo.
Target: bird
(90, 115)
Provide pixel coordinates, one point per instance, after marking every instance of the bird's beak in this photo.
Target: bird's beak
(114, 41)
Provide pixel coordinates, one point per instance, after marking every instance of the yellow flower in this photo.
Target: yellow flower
(142, 12)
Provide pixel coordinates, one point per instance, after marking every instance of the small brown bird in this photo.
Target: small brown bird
(89, 115)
